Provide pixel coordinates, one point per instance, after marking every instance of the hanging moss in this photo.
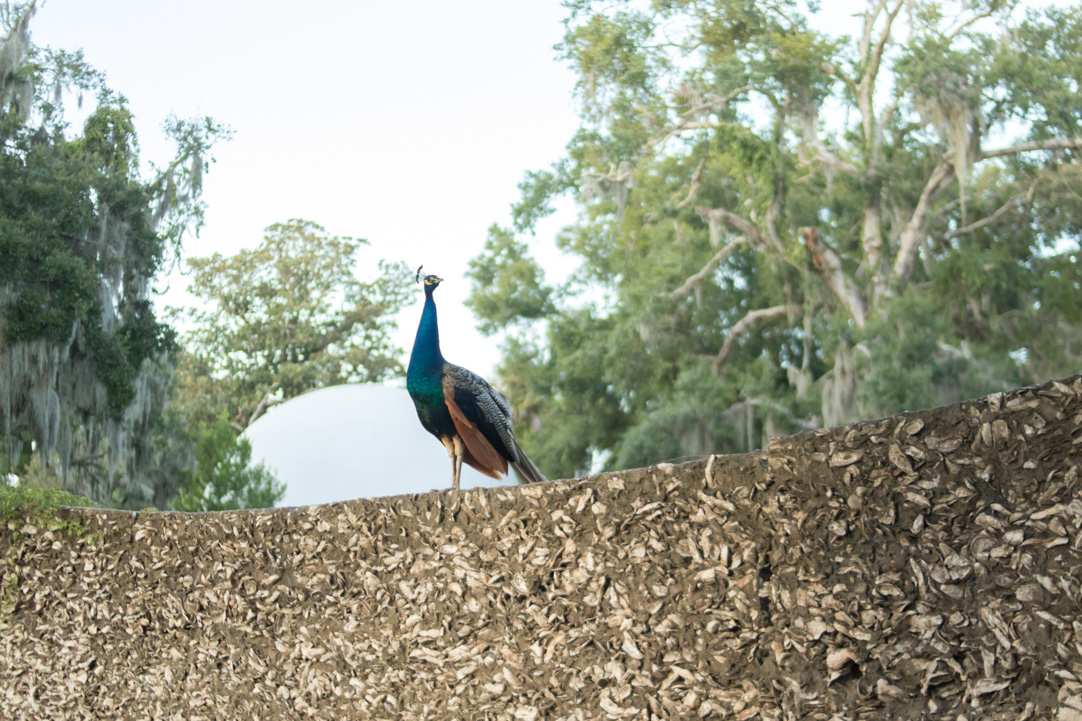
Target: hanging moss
(82, 236)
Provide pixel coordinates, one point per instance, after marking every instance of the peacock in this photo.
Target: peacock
(471, 418)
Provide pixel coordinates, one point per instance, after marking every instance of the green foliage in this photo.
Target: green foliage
(224, 477)
(538, 189)
(1039, 78)
(290, 317)
(509, 284)
(25, 503)
(21, 504)
(910, 361)
(781, 228)
(285, 318)
(83, 234)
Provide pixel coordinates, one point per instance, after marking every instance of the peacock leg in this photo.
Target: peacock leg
(453, 452)
(456, 462)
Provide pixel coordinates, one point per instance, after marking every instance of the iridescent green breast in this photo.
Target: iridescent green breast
(424, 377)
(431, 407)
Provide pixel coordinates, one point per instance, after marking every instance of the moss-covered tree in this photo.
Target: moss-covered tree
(82, 236)
(782, 227)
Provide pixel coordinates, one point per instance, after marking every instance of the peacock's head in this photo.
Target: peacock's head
(430, 281)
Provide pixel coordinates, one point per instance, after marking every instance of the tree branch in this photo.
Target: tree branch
(872, 59)
(742, 326)
(696, 184)
(952, 34)
(869, 24)
(1050, 144)
(697, 278)
(717, 216)
(831, 69)
(688, 124)
(770, 224)
(829, 158)
(265, 404)
(913, 234)
(914, 230)
(977, 225)
(828, 265)
(661, 138)
(884, 38)
(884, 117)
(825, 154)
(764, 236)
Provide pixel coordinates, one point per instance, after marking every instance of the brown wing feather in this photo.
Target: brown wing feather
(486, 459)
(469, 460)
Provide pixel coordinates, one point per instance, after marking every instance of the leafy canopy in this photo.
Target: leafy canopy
(288, 317)
(225, 477)
(83, 234)
(782, 227)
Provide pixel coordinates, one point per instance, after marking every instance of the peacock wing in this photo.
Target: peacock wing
(482, 417)
(479, 452)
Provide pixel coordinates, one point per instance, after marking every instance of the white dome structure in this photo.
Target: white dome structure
(353, 441)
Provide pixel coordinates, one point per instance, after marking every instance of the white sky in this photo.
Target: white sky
(409, 124)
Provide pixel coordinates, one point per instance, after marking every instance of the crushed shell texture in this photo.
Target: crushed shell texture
(923, 566)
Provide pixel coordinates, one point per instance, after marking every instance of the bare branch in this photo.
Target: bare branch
(719, 102)
(616, 174)
(770, 224)
(914, 230)
(825, 155)
(265, 404)
(707, 269)
(952, 34)
(1010, 204)
(1051, 144)
(872, 59)
(764, 236)
(884, 38)
(869, 25)
(977, 225)
(696, 183)
(742, 326)
(715, 103)
(699, 125)
(831, 69)
(829, 158)
(662, 138)
(884, 117)
(734, 221)
(828, 265)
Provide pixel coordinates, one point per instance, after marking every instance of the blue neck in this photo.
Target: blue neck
(426, 346)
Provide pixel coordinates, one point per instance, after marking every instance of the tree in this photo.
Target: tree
(224, 477)
(287, 318)
(83, 372)
(782, 228)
